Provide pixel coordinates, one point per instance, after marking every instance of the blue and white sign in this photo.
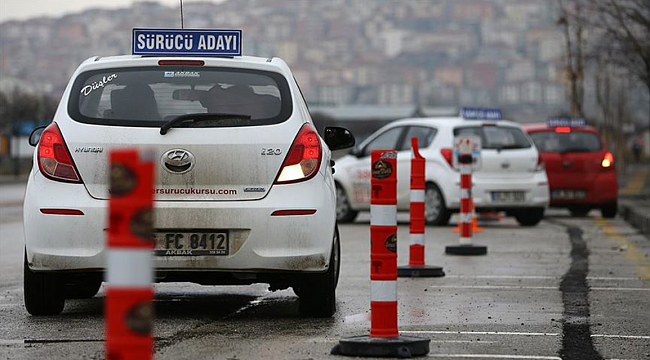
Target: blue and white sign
(186, 42)
(565, 121)
(480, 114)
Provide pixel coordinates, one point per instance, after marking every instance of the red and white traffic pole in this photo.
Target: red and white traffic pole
(383, 245)
(384, 339)
(465, 161)
(129, 293)
(417, 266)
(465, 203)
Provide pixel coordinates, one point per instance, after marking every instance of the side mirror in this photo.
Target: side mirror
(338, 138)
(35, 136)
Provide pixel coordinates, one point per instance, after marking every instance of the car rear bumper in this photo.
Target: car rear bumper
(535, 189)
(259, 242)
(600, 189)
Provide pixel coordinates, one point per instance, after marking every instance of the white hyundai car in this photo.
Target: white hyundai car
(238, 160)
(511, 177)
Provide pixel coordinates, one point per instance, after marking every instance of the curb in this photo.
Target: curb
(635, 216)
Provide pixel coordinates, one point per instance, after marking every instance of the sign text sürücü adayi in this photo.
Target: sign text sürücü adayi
(202, 42)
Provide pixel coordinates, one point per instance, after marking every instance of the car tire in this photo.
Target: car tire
(435, 210)
(609, 211)
(579, 211)
(344, 213)
(84, 290)
(529, 217)
(317, 293)
(43, 292)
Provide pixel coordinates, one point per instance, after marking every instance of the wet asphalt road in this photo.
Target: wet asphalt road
(566, 289)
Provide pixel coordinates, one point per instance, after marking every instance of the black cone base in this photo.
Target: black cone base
(420, 271)
(396, 347)
(466, 250)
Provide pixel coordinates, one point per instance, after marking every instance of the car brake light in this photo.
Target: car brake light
(181, 62)
(563, 129)
(608, 160)
(303, 160)
(447, 154)
(54, 159)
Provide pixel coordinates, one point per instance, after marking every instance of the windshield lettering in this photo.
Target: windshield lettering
(86, 90)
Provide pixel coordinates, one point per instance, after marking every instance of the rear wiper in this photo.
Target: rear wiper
(567, 150)
(199, 117)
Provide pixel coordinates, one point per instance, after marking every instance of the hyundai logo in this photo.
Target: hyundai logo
(177, 161)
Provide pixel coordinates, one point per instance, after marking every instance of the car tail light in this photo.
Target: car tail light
(447, 154)
(303, 160)
(563, 129)
(54, 159)
(540, 164)
(608, 160)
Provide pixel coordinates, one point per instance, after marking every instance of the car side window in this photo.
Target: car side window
(385, 141)
(424, 134)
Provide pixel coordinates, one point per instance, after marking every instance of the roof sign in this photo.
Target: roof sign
(480, 114)
(565, 121)
(186, 42)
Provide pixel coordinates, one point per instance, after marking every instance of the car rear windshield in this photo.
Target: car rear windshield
(575, 141)
(496, 137)
(151, 96)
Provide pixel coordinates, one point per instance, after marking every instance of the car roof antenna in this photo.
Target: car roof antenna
(182, 25)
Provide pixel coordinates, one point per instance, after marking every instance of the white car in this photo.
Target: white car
(238, 159)
(511, 177)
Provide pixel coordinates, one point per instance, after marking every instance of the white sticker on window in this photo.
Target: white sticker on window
(182, 74)
(86, 90)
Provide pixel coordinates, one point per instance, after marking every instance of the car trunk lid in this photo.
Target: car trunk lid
(200, 164)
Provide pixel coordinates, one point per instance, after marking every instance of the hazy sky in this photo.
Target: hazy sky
(25, 9)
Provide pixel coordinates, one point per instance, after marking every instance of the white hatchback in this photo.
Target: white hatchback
(511, 177)
(239, 160)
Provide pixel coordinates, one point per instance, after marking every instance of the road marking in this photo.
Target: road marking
(521, 287)
(54, 341)
(495, 356)
(534, 277)
(517, 333)
(633, 254)
(613, 278)
(504, 277)
(508, 333)
(357, 318)
(636, 183)
(11, 342)
(618, 289)
(462, 341)
(498, 287)
(636, 337)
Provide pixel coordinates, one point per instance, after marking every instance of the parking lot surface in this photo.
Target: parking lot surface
(569, 288)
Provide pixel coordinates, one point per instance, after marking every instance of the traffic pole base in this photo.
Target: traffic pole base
(466, 250)
(403, 347)
(420, 271)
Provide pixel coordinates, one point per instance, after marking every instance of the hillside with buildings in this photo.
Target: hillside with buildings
(420, 53)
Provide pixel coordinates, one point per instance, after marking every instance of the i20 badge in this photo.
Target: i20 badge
(177, 161)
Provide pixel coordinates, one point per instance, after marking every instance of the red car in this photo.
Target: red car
(580, 171)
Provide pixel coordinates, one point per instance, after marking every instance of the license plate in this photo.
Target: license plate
(197, 243)
(568, 194)
(508, 196)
